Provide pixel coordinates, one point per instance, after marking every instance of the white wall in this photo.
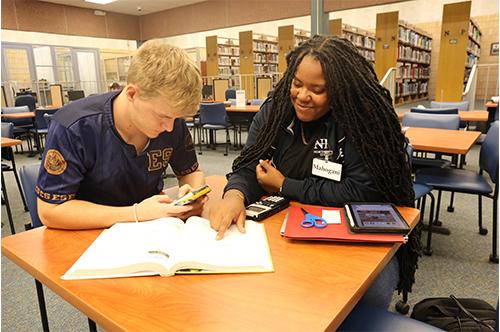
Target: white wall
(39, 38)
(197, 39)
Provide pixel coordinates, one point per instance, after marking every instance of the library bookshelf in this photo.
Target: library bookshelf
(413, 66)
(408, 49)
(289, 37)
(258, 59)
(364, 40)
(223, 58)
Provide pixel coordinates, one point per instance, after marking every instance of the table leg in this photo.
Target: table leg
(7, 206)
(92, 326)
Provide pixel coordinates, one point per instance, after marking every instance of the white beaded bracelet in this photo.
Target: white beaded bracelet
(135, 212)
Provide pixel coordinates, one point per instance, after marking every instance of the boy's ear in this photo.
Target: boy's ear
(131, 91)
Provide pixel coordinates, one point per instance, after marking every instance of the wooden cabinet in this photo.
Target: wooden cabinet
(364, 40)
(408, 48)
(288, 38)
(458, 52)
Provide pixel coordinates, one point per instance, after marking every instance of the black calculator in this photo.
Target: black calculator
(266, 207)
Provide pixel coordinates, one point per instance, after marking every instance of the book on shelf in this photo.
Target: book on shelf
(169, 246)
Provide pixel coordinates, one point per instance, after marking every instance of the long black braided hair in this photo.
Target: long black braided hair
(364, 110)
(361, 106)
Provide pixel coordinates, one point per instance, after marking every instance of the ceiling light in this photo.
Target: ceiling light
(101, 2)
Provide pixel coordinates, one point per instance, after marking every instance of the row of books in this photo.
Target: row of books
(300, 37)
(228, 50)
(227, 61)
(474, 32)
(411, 88)
(228, 71)
(470, 60)
(473, 47)
(265, 68)
(265, 47)
(369, 55)
(410, 54)
(412, 71)
(360, 41)
(265, 57)
(409, 36)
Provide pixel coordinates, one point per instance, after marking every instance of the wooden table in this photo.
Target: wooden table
(442, 140)
(242, 116)
(479, 116)
(26, 115)
(9, 143)
(243, 109)
(314, 287)
(20, 115)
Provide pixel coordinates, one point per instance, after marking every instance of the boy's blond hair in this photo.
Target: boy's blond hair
(159, 69)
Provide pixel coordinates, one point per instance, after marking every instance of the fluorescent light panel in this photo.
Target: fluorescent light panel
(101, 2)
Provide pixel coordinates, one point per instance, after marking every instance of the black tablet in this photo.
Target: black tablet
(375, 218)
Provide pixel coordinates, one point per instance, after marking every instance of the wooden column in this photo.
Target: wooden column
(453, 51)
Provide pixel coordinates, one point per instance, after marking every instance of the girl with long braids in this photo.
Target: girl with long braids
(328, 106)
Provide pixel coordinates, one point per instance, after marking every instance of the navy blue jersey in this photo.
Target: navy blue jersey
(85, 157)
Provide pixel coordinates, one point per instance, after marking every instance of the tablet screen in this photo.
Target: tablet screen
(377, 216)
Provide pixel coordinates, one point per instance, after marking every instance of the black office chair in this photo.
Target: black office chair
(213, 117)
(230, 93)
(75, 94)
(21, 126)
(207, 91)
(7, 154)
(29, 176)
(431, 120)
(26, 100)
(468, 182)
(41, 124)
(369, 318)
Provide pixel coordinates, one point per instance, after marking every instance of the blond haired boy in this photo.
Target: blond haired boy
(105, 155)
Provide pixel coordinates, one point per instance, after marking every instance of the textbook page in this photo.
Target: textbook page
(127, 249)
(235, 253)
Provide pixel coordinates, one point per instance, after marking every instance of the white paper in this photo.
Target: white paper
(240, 98)
(331, 216)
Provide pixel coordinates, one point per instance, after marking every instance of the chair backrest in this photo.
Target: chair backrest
(7, 129)
(26, 100)
(461, 105)
(29, 176)
(230, 93)
(441, 121)
(48, 117)
(18, 109)
(75, 94)
(434, 110)
(207, 91)
(42, 118)
(213, 113)
(488, 156)
(257, 101)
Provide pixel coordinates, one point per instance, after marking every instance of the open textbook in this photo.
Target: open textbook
(168, 246)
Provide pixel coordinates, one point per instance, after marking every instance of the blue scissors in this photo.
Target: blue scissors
(312, 220)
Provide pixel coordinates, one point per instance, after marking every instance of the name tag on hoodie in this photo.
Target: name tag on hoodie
(327, 169)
